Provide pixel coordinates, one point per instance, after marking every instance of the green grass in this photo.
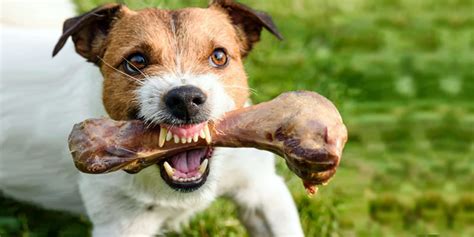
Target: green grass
(401, 73)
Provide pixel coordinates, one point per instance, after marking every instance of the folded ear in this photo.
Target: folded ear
(248, 22)
(89, 30)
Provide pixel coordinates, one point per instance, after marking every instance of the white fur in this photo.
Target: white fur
(41, 98)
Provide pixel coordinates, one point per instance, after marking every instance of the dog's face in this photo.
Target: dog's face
(177, 69)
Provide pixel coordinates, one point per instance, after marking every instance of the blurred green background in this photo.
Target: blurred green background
(402, 74)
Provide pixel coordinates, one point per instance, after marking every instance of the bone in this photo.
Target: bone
(303, 127)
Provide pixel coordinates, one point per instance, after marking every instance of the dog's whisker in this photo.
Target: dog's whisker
(141, 72)
(126, 93)
(253, 91)
(123, 73)
(155, 118)
(243, 87)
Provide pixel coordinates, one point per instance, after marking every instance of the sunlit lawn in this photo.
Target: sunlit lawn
(401, 73)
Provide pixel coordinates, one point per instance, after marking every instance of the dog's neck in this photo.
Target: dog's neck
(37, 14)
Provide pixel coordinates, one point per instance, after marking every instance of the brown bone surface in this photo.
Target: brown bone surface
(303, 127)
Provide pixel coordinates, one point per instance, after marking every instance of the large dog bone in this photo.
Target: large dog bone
(303, 127)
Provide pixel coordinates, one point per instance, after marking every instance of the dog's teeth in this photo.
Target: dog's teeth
(176, 138)
(203, 166)
(169, 170)
(181, 179)
(183, 140)
(208, 134)
(196, 137)
(161, 140)
(190, 139)
(169, 136)
(202, 134)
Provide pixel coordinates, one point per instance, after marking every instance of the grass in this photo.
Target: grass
(401, 73)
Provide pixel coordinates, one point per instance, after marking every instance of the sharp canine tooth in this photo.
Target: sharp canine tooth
(169, 170)
(196, 137)
(203, 166)
(183, 140)
(161, 140)
(190, 139)
(208, 134)
(169, 136)
(176, 139)
(202, 134)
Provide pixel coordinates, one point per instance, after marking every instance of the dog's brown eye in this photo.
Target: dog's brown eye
(135, 63)
(218, 58)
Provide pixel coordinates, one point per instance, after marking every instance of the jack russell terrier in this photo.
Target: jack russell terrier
(173, 68)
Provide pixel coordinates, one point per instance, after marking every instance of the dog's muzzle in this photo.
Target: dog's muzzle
(188, 170)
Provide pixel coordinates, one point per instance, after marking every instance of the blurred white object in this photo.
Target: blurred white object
(40, 98)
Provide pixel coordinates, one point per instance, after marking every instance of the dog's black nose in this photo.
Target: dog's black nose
(185, 102)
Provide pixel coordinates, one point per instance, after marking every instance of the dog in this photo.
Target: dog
(177, 69)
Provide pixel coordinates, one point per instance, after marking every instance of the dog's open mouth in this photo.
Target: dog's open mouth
(187, 170)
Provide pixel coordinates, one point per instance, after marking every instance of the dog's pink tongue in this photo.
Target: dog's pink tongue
(188, 161)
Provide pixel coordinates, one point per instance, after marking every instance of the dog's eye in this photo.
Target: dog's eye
(218, 58)
(135, 63)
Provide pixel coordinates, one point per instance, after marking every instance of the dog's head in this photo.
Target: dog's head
(174, 68)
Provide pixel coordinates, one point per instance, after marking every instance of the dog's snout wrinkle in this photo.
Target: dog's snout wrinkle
(185, 102)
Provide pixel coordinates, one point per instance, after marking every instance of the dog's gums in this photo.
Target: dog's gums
(303, 127)
(184, 134)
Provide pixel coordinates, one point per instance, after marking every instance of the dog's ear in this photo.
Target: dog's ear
(89, 30)
(248, 22)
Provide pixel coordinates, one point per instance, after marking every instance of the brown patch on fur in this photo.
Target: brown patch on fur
(145, 32)
(89, 30)
(172, 41)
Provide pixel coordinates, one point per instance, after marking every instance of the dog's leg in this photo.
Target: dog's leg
(267, 208)
(117, 211)
(137, 227)
(265, 204)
